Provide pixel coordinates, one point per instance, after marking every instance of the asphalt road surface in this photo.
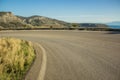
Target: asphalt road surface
(76, 55)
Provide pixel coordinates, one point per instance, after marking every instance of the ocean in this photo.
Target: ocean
(114, 26)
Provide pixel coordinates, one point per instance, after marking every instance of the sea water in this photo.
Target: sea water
(114, 26)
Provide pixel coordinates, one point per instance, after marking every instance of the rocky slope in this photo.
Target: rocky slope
(8, 17)
(10, 21)
(40, 21)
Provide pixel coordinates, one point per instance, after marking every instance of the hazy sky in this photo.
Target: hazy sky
(67, 10)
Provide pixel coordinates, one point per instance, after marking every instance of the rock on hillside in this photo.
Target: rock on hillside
(10, 21)
(8, 17)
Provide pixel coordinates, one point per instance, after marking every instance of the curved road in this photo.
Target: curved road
(76, 55)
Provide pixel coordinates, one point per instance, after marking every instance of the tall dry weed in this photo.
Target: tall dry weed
(16, 57)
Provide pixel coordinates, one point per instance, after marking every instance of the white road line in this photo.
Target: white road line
(43, 64)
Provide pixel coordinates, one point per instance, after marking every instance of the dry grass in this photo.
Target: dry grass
(16, 57)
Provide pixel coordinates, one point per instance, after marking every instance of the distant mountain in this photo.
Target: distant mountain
(114, 23)
(10, 21)
(93, 25)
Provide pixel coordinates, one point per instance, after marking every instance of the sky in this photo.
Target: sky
(77, 11)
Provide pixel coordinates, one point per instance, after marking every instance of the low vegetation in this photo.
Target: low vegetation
(16, 56)
(14, 25)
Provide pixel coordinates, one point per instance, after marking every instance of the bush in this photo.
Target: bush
(16, 57)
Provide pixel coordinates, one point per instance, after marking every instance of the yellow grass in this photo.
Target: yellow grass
(16, 57)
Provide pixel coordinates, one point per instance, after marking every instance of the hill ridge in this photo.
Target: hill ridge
(9, 20)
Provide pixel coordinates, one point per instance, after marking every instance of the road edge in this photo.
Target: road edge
(43, 64)
(39, 63)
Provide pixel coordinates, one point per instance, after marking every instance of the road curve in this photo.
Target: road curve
(38, 68)
(76, 55)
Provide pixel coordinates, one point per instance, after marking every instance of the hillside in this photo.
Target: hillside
(44, 21)
(9, 21)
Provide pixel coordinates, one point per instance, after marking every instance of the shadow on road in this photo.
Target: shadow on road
(113, 32)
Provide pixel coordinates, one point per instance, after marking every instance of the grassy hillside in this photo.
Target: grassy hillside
(39, 21)
(16, 57)
(14, 25)
(9, 21)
